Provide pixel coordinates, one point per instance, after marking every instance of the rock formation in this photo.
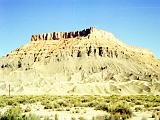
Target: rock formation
(63, 35)
(90, 61)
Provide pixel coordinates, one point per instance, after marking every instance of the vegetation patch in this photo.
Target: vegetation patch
(116, 107)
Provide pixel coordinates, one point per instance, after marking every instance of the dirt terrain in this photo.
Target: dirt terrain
(87, 62)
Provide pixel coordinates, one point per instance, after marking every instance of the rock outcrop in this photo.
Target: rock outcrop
(62, 35)
(90, 61)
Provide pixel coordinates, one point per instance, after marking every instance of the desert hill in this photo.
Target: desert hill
(90, 62)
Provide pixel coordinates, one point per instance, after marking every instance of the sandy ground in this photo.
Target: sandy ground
(141, 115)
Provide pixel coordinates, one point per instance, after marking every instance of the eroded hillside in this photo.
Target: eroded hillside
(90, 61)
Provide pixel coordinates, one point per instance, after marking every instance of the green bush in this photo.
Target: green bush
(138, 102)
(116, 109)
(12, 102)
(138, 109)
(62, 103)
(107, 117)
(92, 104)
(73, 118)
(122, 108)
(81, 118)
(2, 104)
(115, 105)
(56, 105)
(124, 116)
(102, 106)
(115, 116)
(14, 113)
(56, 117)
(30, 117)
(48, 106)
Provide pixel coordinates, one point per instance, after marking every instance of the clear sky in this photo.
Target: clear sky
(135, 22)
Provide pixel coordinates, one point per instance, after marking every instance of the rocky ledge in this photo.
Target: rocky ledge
(63, 35)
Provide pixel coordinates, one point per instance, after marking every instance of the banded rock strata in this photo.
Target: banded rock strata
(62, 35)
(90, 61)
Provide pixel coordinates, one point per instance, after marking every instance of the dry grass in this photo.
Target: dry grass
(117, 106)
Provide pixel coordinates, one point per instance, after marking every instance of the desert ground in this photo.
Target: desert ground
(47, 107)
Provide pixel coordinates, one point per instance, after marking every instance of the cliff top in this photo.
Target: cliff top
(65, 35)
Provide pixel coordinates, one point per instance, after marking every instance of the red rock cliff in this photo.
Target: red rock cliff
(62, 35)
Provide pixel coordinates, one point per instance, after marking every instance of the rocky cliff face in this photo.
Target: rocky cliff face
(63, 35)
(90, 61)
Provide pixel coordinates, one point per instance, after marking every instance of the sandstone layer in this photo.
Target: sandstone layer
(90, 62)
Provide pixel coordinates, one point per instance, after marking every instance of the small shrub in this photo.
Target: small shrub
(81, 118)
(27, 109)
(33, 100)
(154, 114)
(93, 118)
(92, 104)
(62, 103)
(32, 117)
(158, 115)
(122, 108)
(138, 109)
(13, 113)
(102, 106)
(56, 117)
(67, 109)
(138, 102)
(22, 100)
(55, 105)
(116, 116)
(60, 109)
(48, 106)
(2, 104)
(124, 116)
(149, 104)
(12, 103)
(107, 117)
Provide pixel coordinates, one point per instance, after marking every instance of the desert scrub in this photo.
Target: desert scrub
(56, 117)
(151, 104)
(91, 104)
(81, 118)
(12, 103)
(138, 102)
(121, 108)
(31, 117)
(137, 109)
(105, 103)
(48, 106)
(27, 109)
(102, 106)
(73, 118)
(153, 114)
(55, 105)
(2, 104)
(63, 103)
(115, 116)
(14, 113)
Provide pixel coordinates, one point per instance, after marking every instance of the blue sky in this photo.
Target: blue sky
(135, 22)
